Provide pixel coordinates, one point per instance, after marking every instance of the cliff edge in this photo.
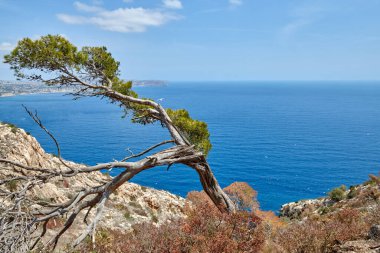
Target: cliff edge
(131, 204)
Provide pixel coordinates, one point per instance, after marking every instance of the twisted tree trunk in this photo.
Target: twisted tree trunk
(212, 187)
(93, 72)
(209, 183)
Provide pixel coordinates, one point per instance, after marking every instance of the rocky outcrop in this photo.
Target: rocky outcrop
(364, 197)
(359, 246)
(131, 203)
(296, 210)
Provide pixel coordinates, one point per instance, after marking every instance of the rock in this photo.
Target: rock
(359, 246)
(374, 232)
(299, 209)
(365, 199)
(129, 205)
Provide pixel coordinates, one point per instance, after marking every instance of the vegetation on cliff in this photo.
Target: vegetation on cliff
(53, 60)
(139, 219)
(131, 204)
(346, 227)
(41, 199)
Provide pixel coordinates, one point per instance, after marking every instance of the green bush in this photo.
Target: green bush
(353, 192)
(338, 194)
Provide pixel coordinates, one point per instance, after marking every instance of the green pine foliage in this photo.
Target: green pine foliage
(194, 130)
(98, 61)
(45, 55)
(52, 59)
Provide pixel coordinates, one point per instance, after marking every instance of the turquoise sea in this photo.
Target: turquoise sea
(288, 140)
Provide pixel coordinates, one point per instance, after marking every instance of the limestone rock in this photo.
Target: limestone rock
(129, 205)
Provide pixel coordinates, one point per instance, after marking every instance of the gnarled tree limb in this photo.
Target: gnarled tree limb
(93, 72)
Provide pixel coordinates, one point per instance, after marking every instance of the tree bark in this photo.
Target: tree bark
(212, 187)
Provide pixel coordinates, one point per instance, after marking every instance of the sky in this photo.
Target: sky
(211, 40)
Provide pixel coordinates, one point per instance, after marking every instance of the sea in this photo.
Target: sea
(288, 140)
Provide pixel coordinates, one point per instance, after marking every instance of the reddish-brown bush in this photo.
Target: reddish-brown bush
(320, 234)
(202, 231)
(244, 197)
(205, 229)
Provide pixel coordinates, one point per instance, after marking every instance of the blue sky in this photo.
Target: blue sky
(211, 39)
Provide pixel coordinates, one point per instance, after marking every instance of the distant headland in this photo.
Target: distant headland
(15, 88)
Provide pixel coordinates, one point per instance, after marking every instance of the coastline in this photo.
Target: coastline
(332, 155)
(32, 93)
(10, 94)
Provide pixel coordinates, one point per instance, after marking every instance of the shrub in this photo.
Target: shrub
(353, 192)
(200, 232)
(205, 229)
(338, 194)
(323, 233)
(244, 197)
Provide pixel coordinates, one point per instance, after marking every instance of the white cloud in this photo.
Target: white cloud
(73, 20)
(6, 46)
(172, 4)
(235, 2)
(118, 20)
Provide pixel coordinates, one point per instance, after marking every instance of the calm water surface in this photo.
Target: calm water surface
(290, 141)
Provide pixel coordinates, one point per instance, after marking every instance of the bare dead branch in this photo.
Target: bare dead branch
(21, 215)
(39, 123)
(147, 150)
(41, 212)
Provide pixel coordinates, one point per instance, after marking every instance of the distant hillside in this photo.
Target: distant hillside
(14, 88)
(158, 83)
